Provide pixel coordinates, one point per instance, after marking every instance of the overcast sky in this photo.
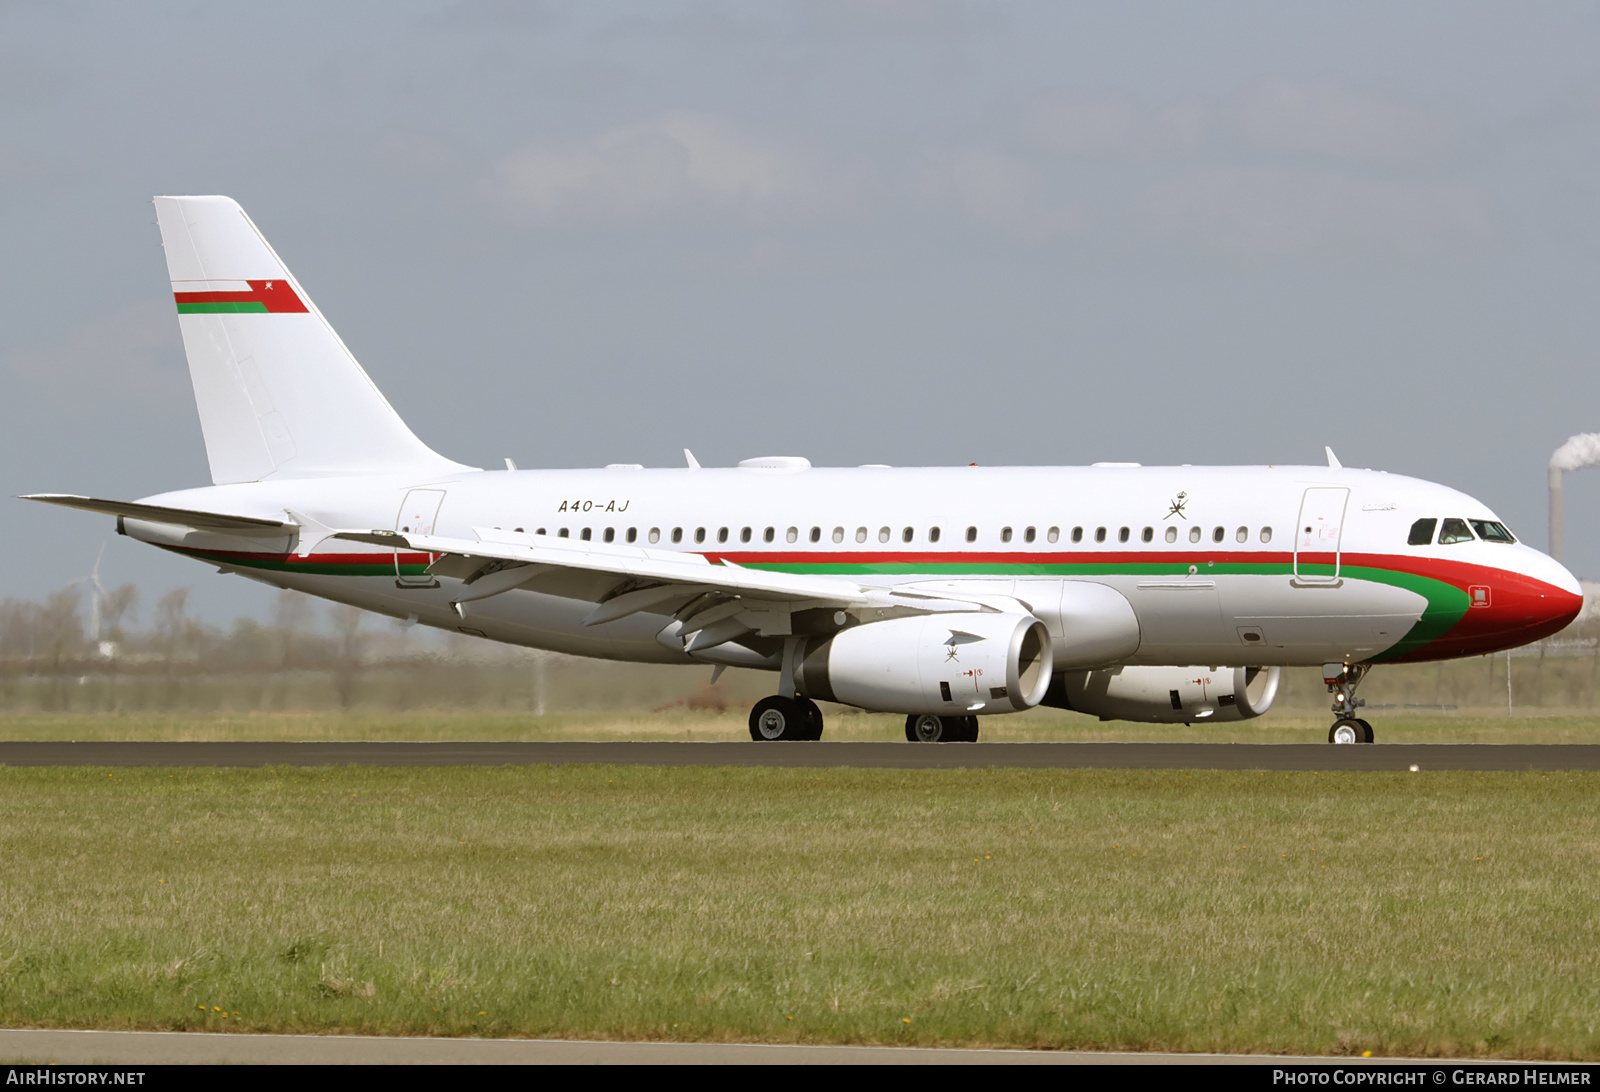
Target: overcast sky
(891, 231)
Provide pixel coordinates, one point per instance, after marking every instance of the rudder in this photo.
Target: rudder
(279, 394)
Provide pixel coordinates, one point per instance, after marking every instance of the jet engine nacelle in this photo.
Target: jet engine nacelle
(956, 664)
(1167, 695)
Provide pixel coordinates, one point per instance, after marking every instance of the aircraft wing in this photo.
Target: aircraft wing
(179, 517)
(637, 578)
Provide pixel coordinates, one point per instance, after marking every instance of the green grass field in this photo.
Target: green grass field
(1410, 914)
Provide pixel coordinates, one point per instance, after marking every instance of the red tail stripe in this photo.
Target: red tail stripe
(278, 296)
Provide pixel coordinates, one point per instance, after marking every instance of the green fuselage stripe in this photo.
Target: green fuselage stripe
(1445, 603)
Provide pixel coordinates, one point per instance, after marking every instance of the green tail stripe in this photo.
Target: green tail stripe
(247, 307)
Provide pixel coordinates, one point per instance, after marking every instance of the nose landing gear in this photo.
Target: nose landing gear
(1342, 680)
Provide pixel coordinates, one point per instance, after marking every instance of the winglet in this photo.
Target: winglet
(1333, 460)
(694, 464)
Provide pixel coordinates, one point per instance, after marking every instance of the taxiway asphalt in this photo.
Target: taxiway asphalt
(909, 756)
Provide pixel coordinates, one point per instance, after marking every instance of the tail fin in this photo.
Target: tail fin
(279, 394)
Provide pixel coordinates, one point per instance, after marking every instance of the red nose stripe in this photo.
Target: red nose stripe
(1507, 610)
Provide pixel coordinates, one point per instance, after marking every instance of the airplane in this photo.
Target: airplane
(1161, 594)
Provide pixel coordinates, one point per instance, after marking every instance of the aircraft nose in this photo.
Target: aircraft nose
(1559, 596)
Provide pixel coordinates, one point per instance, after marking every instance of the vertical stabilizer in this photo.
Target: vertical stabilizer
(279, 394)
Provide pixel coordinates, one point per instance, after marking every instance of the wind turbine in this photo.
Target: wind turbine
(97, 595)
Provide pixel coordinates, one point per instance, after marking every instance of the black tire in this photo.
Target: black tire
(933, 728)
(969, 731)
(1350, 730)
(780, 719)
(813, 718)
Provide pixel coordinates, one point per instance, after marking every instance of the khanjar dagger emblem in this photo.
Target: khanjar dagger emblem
(1177, 507)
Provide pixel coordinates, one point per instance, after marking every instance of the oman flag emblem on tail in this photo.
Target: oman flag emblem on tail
(236, 297)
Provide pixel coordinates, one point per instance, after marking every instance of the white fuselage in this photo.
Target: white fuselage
(1222, 565)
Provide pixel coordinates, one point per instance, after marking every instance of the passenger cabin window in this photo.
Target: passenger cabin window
(699, 534)
(1005, 534)
(677, 534)
(933, 534)
(611, 534)
(1216, 535)
(633, 534)
(1099, 534)
(540, 531)
(1149, 534)
(722, 534)
(1194, 534)
(1028, 535)
(1490, 531)
(816, 534)
(1453, 531)
(584, 534)
(1172, 534)
(563, 533)
(1122, 535)
(1266, 534)
(838, 534)
(744, 534)
(972, 534)
(905, 536)
(883, 534)
(1077, 534)
(1054, 534)
(1422, 532)
(792, 535)
(1242, 535)
(861, 534)
(769, 534)
(655, 534)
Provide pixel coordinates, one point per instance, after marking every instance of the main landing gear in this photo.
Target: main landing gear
(933, 728)
(1342, 680)
(781, 718)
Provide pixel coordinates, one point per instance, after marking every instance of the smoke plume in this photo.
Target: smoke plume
(1578, 452)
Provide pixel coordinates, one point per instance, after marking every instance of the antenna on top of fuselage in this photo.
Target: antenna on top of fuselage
(1333, 460)
(694, 464)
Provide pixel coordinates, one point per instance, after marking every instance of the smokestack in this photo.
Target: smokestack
(1578, 452)
(1555, 512)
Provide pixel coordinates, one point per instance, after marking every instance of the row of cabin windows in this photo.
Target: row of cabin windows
(1457, 530)
(909, 534)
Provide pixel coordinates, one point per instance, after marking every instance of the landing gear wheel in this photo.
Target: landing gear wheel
(813, 717)
(780, 718)
(933, 728)
(1350, 730)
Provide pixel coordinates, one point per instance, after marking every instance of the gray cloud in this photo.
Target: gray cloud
(1113, 127)
(1004, 193)
(131, 354)
(1328, 120)
(682, 162)
(1260, 213)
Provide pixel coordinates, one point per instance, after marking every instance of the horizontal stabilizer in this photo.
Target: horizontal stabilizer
(179, 517)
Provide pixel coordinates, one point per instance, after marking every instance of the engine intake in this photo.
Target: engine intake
(1166, 695)
(958, 664)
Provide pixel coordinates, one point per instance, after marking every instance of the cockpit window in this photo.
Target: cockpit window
(1422, 532)
(1454, 530)
(1490, 531)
